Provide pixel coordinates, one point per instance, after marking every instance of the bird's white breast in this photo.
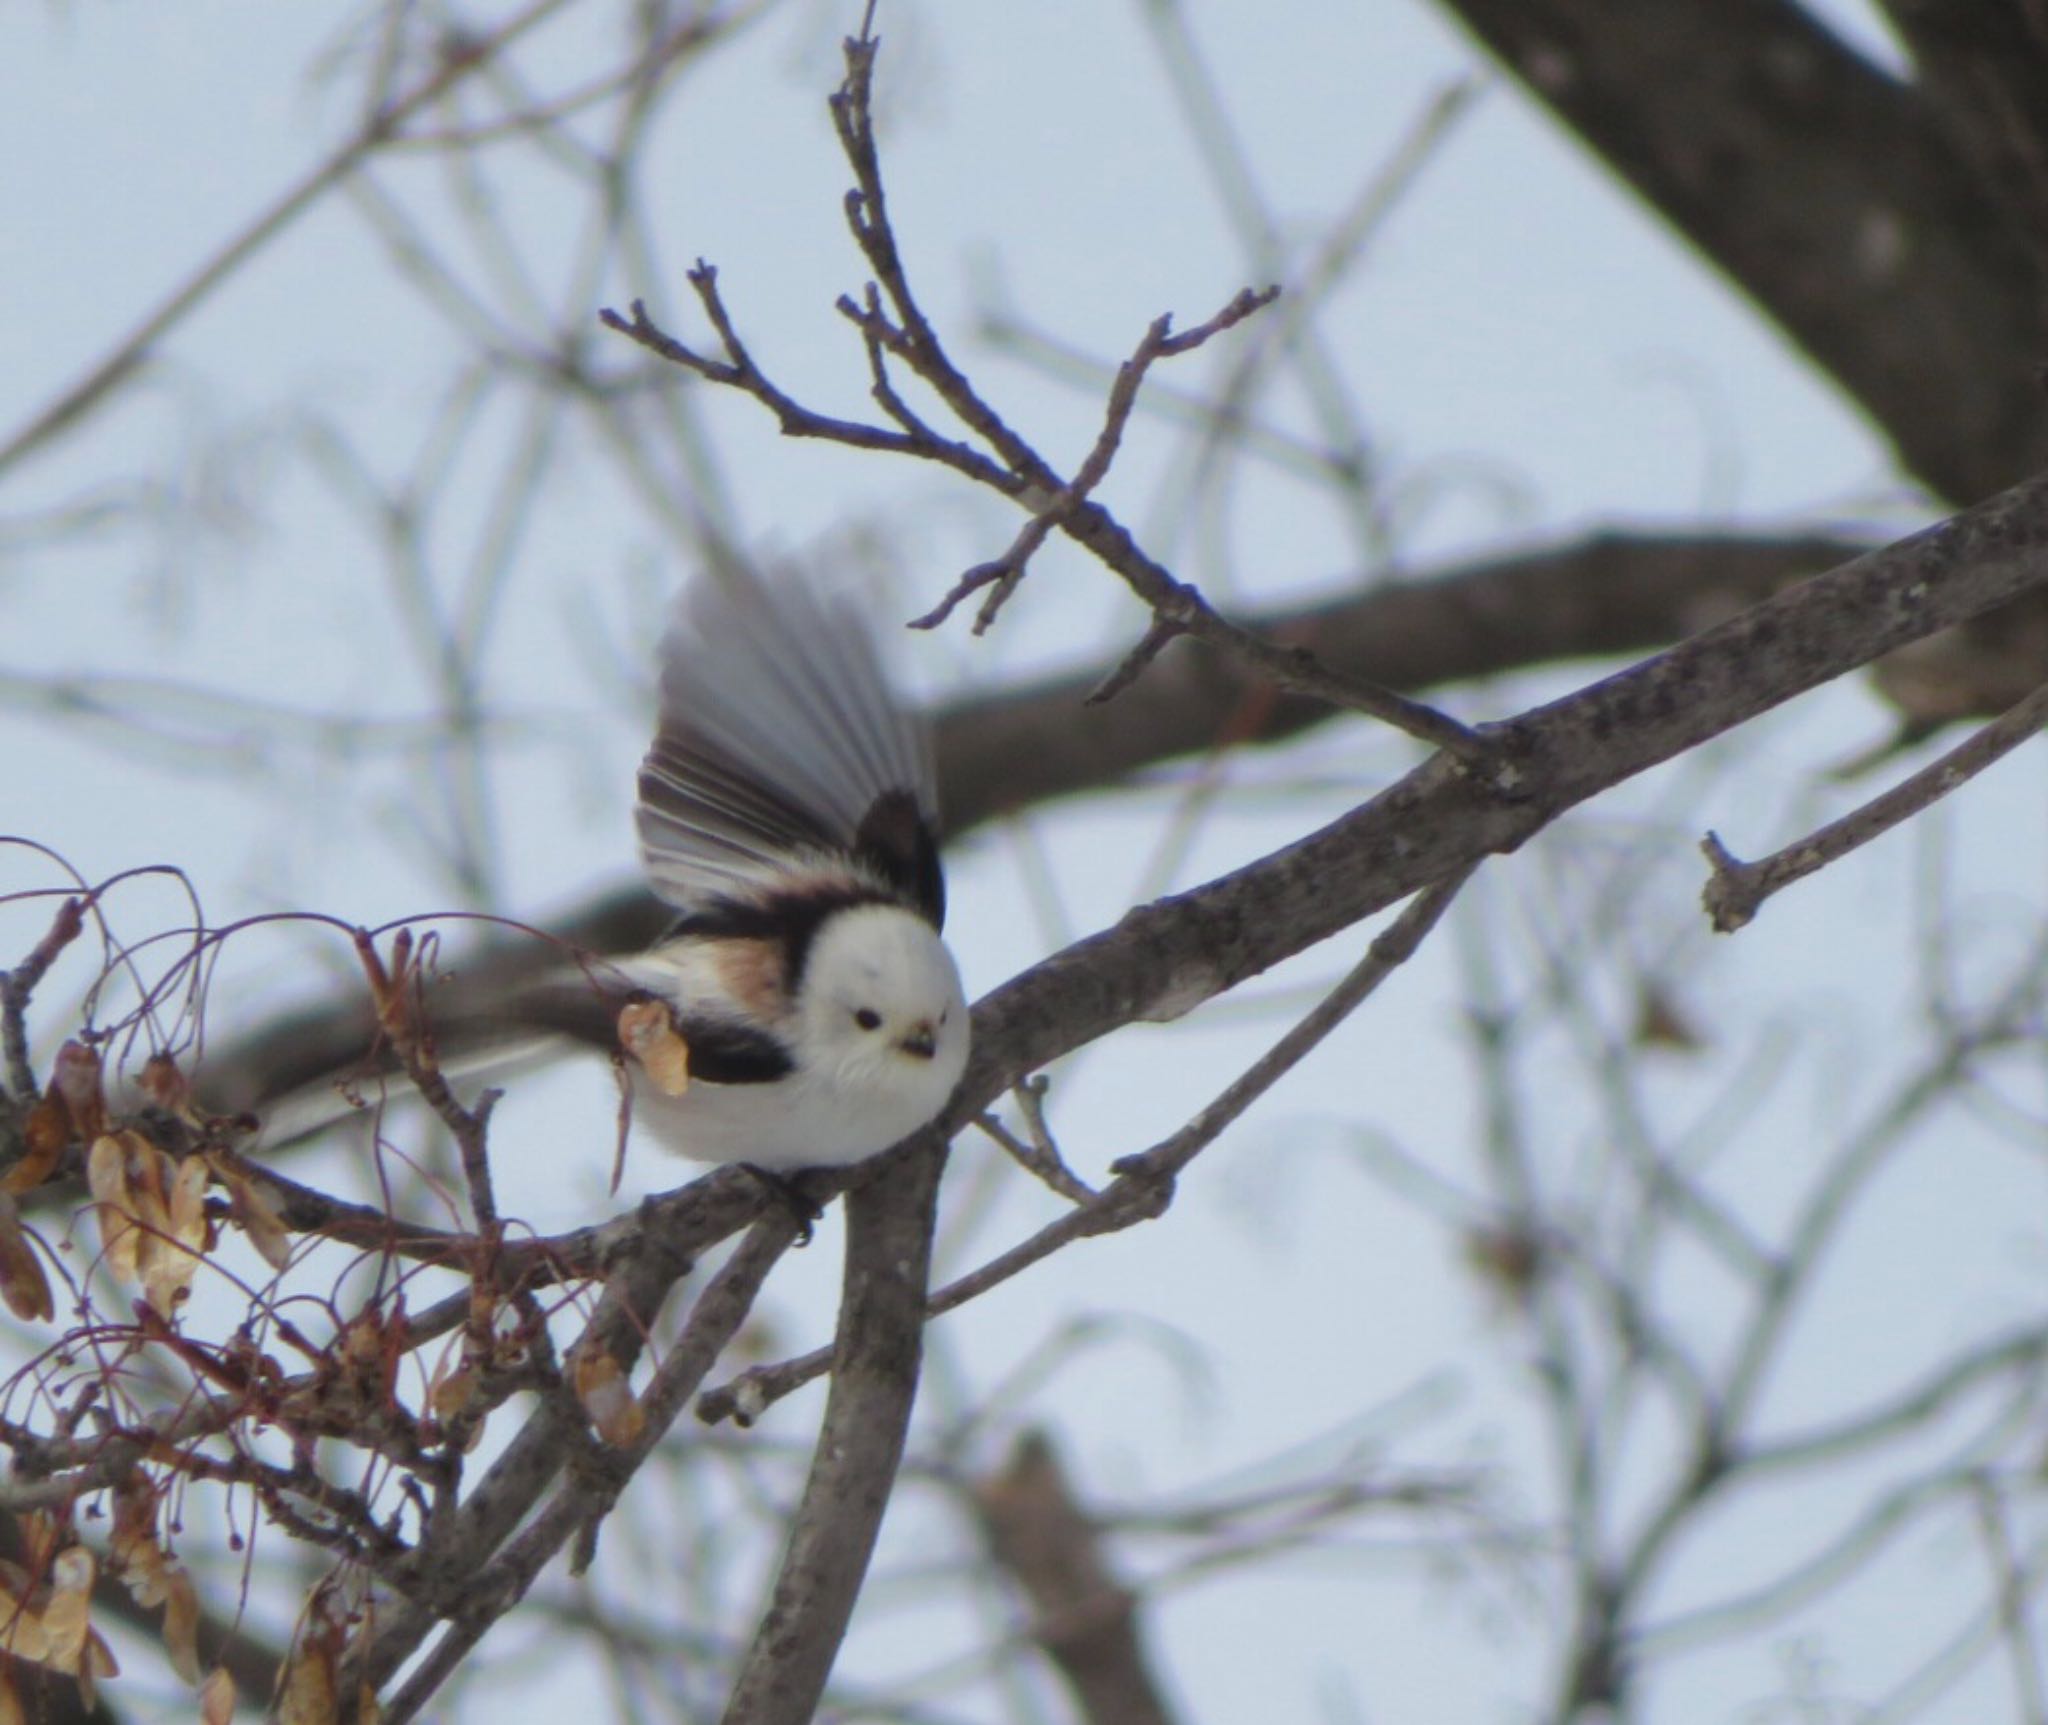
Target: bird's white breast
(806, 1120)
(852, 1091)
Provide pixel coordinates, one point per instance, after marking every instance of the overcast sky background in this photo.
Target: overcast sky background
(1534, 355)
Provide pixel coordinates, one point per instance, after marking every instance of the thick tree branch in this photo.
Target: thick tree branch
(463, 1536)
(1586, 598)
(1166, 956)
(1829, 192)
(1590, 598)
(1982, 65)
(1159, 961)
(853, 1466)
(1083, 1619)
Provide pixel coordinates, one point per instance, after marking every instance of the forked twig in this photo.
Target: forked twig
(1736, 890)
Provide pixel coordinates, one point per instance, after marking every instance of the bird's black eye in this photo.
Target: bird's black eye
(867, 1018)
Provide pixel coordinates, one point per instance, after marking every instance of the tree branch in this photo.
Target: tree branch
(1017, 748)
(1737, 890)
(1829, 191)
(1085, 1622)
(889, 1225)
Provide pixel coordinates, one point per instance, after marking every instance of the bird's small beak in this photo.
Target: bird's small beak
(922, 1042)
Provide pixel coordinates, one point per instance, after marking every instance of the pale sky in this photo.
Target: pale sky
(1532, 356)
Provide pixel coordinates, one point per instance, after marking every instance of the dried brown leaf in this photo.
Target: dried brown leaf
(181, 1624)
(46, 1133)
(23, 1285)
(648, 1034)
(110, 1172)
(152, 1212)
(217, 1698)
(23, 1633)
(164, 1083)
(42, 1535)
(67, 1618)
(452, 1391)
(453, 1388)
(133, 1552)
(364, 1344)
(136, 1555)
(99, 1662)
(51, 1625)
(256, 1213)
(176, 1245)
(75, 1078)
(305, 1693)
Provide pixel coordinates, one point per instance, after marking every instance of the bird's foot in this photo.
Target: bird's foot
(789, 1192)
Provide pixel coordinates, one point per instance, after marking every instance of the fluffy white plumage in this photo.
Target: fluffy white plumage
(788, 809)
(877, 1033)
(808, 1012)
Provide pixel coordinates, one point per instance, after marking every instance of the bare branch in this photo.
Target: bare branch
(1036, 1152)
(1007, 570)
(1828, 170)
(1086, 1623)
(860, 1446)
(18, 984)
(1736, 890)
(129, 354)
(592, 1489)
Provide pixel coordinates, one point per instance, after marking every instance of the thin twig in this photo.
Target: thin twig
(740, 372)
(1005, 572)
(1180, 609)
(18, 984)
(867, 214)
(591, 1491)
(2014, 1595)
(1736, 889)
(1019, 471)
(1037, 1152)
(462, 1537)
(377, 129)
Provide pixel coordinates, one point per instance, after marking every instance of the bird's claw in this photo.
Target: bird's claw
(802, 1207)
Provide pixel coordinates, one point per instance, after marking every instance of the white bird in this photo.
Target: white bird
(803, 1010)
(789, 810)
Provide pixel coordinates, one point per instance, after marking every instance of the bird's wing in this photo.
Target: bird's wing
(492, 1041)
(722, 1048)
(779, 739)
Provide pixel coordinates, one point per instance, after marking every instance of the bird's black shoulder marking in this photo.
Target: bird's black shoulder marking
(722, 1052)
(897, 842)
(789, 917)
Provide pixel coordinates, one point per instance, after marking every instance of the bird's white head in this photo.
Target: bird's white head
(881, 1008)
